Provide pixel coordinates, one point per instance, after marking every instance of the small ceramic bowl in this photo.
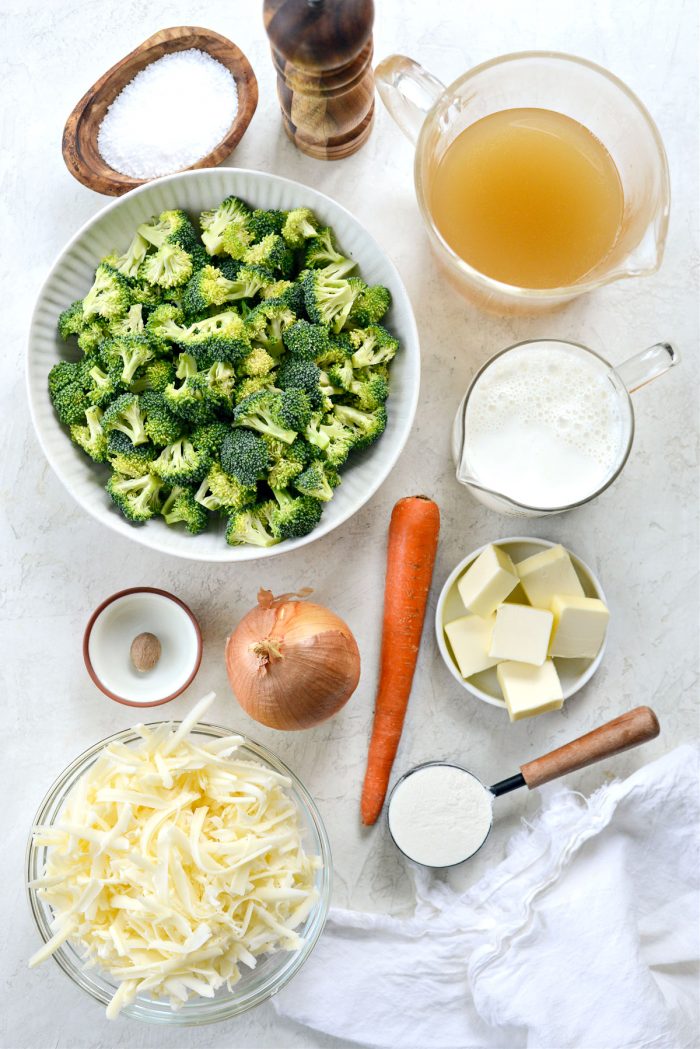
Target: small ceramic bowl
(573, 673)
(107, 646)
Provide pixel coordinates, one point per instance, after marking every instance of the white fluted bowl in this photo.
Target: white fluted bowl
(112, 228)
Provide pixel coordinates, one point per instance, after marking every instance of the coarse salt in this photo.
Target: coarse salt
(169, 116)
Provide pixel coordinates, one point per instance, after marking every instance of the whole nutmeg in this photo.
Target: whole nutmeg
(145, 652)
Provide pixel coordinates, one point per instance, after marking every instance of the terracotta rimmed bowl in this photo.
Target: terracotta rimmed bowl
(573, 673)
(80, 152)
(107, 643)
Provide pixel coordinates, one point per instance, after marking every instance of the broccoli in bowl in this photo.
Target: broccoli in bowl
(229, 369)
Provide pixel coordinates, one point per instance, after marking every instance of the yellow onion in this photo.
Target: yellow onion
(292, 663)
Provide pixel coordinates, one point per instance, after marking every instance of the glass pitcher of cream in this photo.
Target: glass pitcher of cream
(539, 176)
(547, 425)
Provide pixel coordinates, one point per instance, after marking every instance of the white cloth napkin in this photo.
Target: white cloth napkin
(587, 936)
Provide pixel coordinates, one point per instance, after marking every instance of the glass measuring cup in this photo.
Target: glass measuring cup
(432, 116)
(622, 733)
(627, 377)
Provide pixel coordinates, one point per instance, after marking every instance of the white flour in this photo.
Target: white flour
(440, 815)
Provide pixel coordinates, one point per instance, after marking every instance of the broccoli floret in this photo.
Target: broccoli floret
(305, 340)
(332, 438)
(181, 506)
(235, 241)
(294, 373)
(228, 267)
(70, 401)
(110, 294)
(274, 412)
(150, 295)
(254, 385)
(222, 491)
(294, 409)
(170, 227)
(295, 515)
(248, 282)
(155, 376)
(268, 322)
(321, 250)
(125, 414)
(329, 298)
(165, 322)
(272, 253)
(127, 459)
(369, 393)
(342, 375)
(126, 354)
(63, 374)
(366, 426)
(250, 525)
(370, 306)
(318, 481)
(209, 437)
(178, 251)
(299, 225)
(181, 463)
(130, 261)
(223, 337)
(72, 321)
(138, 498)
(290, 292)
(262, 223)
(162, 425)
(206, 288)
(258, 362)
(372, 346)
(244, 456)
(193, 400)
(91, 437)
(169, 267)
(231, 213)
(131, 323)
(92, 335)
(104, 385)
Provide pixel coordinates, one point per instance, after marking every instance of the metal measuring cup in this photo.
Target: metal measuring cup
(622, 733)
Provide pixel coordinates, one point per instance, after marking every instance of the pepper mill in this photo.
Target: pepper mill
(322, 51)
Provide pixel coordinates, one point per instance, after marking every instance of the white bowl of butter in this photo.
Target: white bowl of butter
(494, 642)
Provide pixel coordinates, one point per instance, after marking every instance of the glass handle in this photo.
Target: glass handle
(647, 365)
(408, 91)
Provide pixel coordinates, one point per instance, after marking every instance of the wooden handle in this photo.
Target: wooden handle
(629, 730)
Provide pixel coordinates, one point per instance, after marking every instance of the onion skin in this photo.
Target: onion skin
(291, 663)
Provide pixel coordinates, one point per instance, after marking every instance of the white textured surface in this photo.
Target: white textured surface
(640, 537)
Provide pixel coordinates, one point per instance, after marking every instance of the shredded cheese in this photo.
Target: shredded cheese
(174, 861)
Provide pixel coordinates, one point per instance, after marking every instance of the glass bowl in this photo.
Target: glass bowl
(272, 972)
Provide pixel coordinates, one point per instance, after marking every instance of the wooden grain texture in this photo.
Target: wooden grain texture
(629, 730)
(79, 145)
(322, 53)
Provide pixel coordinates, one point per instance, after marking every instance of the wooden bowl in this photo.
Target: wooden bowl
(79, 146)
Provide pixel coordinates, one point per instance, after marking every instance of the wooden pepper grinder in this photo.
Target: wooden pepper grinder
(322, 51)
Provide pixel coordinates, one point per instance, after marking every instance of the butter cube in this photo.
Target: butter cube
(470, 638)
(579, 626)
(521, 633)
(546, 574)
(488, 581)
(529, 690)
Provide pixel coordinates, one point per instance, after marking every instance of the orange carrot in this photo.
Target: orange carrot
(413, 538)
